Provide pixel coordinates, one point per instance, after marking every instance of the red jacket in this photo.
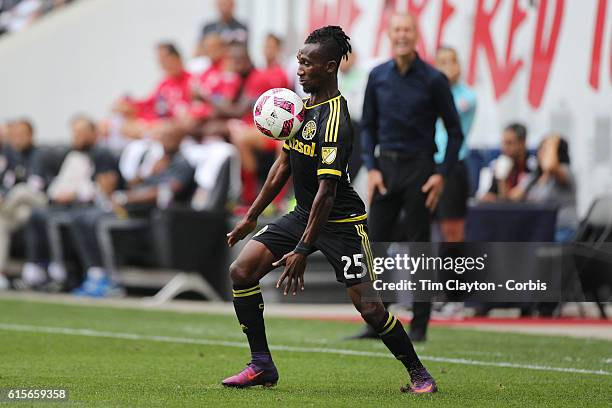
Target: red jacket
(171, 98)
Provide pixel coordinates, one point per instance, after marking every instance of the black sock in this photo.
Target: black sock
(394, 336)
(249, 306)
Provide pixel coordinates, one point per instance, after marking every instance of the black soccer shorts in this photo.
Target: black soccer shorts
(345, 245)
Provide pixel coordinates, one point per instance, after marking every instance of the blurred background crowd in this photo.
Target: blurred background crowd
(72, 213)
(17, 15)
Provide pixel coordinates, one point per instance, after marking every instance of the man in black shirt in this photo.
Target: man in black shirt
(230, 29)
(403, 99)
(329, 217)
(22, 158)
(21, 185)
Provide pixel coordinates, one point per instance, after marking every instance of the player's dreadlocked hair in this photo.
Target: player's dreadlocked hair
(334, 40)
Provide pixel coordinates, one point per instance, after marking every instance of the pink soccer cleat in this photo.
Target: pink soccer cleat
(422, 383)
(253, 375)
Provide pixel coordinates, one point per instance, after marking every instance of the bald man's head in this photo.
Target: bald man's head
(403, 34)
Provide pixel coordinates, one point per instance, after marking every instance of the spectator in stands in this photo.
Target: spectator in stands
(5, 7)
(3, 136)
(552, 183)
(200, 61)
(50, 5)
(217, 168)
(217, 84)
(452, 207)
(19, 15)
(138, 159)
(230, 29)
(171, 98)
(512, 165)
(352, 80)
(171, 179)
(22, 158)
(275, 73)
(86, 172)
(216, 50)
(243, 133)
(21, 187)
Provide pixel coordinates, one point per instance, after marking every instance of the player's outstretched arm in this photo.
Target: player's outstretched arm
(277, 178)
(295, 261)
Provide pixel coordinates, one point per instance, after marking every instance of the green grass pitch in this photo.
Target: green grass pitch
(112, 357)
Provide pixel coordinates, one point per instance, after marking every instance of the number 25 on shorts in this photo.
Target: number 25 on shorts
(356, 261)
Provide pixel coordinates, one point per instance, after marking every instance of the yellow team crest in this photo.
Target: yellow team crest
(328, 154)
(309, 130)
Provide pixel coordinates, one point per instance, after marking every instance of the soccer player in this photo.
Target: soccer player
(329, 217)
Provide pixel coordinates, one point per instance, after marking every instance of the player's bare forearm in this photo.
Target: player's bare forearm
(321, 207)
(277, 178)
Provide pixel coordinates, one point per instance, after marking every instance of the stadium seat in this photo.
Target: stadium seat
(221, 181)
(592, 251)
(188, 250)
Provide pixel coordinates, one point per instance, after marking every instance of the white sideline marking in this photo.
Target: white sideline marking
(208, 342)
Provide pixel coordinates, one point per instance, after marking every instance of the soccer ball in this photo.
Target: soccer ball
(278, 113)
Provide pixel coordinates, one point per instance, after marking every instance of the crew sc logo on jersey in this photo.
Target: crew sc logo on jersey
(328, 154)
(309, 130)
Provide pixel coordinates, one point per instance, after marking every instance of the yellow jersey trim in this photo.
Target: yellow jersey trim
(333, 132)
(329, 171)
(352, 219)
(322, 103)
(330, 120)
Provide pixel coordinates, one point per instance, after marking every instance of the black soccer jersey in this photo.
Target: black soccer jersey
(321, 149)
